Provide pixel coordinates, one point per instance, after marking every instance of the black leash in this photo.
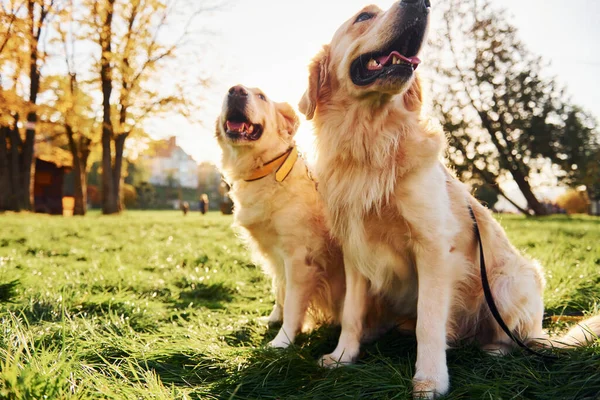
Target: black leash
(489, 298)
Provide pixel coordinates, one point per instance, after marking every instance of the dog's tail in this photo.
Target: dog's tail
(583, 334)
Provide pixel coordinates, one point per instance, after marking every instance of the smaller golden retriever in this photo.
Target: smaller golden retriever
(277, 206)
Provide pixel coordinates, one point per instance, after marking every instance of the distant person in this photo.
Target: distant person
(185, 207)
(226, 205)
(204, 203)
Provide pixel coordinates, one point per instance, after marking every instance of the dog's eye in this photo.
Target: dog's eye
(262, 97)
(363, 17)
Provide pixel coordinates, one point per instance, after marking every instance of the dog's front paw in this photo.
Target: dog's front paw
(430, 387)
(267, 321)
(334, 360)
(281, 341)
(274, 319)
(497, 349)
(279, 344)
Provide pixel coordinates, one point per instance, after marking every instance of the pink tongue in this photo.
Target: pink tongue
(235, 126)
(385, 60)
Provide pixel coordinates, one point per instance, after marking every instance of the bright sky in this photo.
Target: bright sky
(268, 43)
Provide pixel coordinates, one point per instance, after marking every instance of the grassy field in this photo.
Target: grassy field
(152, 305)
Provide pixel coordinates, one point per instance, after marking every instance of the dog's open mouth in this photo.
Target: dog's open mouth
(237, 127)
(398, 59)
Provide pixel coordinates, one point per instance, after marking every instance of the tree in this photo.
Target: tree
(9, 20)
(71, 109)
(486, 194)
(135, 49)
(12, 29)
(146, 195)
(10, 157)
(26, 25)
(580, 155)
(75, 107)
(503, 117)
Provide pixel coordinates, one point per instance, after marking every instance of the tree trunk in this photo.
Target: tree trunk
(16, 193)
(109, 203)
(79, 207)
(80, 154)
(26, 193)
(525, 187)
(28, 167)
(109, 194)
(5, 187)
(491, 180)
(118, 176)
(84, 155)
(513, 166)
(518, 207)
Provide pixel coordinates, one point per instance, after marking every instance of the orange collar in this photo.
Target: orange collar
(283, 164)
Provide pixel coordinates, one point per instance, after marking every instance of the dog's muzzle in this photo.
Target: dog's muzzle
(237, 98)
(421, 6)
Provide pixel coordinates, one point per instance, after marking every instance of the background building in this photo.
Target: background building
(172, 166)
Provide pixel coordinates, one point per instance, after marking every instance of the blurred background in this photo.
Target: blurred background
(111, 104)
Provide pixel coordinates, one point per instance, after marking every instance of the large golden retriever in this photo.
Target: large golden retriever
(279, 209)
(403, 220)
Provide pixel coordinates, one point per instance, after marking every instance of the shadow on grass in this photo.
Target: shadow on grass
(212, 296)
(385, 370)
(128, 313)
(182, 369)
(38, 311)
(6, 242)
(245, 336)
(186, 369)
(570, 219)
(8, 291)
(294, 373)
(583, 297)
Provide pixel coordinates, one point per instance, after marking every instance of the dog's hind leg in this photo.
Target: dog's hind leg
(300, 282)
(518, 298)
(276, 316)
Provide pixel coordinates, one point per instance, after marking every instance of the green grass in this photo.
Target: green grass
(152, 305)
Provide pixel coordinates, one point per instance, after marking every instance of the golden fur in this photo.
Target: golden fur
(403, 218)
(283, 223)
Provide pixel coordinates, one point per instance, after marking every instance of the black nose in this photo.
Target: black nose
(422, 4)
(238, 91)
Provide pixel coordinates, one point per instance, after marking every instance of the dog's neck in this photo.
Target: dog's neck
(369, 132)
(238, 163)
(365, 148)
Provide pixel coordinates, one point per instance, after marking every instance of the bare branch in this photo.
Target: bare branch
(13, 16)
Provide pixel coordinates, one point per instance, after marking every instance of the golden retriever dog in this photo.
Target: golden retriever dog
(277, 206)
(402, 218)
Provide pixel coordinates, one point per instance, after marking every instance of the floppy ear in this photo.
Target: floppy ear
(288, 118)
(413, 98)
(317, 76)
